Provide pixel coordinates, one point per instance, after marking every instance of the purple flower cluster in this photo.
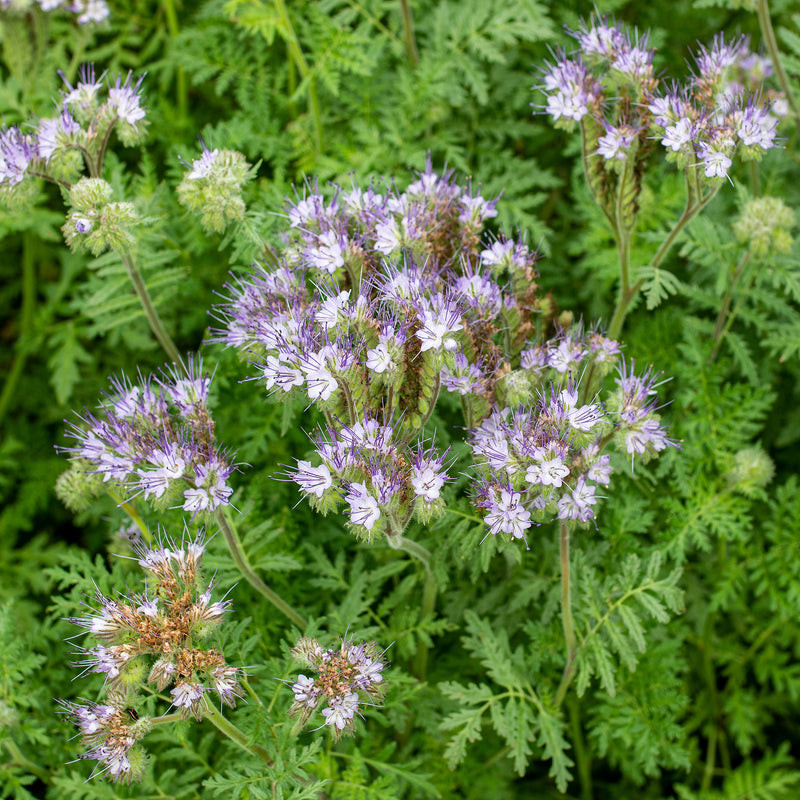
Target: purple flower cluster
(156, 439)
(159, 634)
(384, 482)
(546, 460)
(715, 117)
(88, 11)
(346, 678)
(111, 738)
(81, 125)
(609, 86)
(375, 294)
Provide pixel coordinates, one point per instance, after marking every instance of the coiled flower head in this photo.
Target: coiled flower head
(346, 678)
(155, 438)
(160, 637)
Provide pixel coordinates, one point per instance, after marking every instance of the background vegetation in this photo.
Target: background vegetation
(342, 90)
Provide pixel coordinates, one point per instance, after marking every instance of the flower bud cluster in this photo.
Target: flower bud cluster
(96, 224)
(88, 11)
(156, 637)
(374, 296)
(383, 481)
(112, 739)
(85, 116)
(764, 226)
(156, 438)
(346, 678)
(609, 86)
(213, 187)
(546, 460)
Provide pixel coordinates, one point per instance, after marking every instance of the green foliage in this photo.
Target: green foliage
(685, 600)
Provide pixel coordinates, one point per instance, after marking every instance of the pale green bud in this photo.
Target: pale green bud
(213, 187)
(752, 470)
(764, 225)
(514, 388)
(77, 487)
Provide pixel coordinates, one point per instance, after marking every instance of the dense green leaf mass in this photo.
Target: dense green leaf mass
(686, 596)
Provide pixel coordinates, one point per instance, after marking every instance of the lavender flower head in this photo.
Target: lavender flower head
(609, 87)
(75, 137)
(159, 636)
(383, 481)
(346, 679)
(155, 438)
(547, 460)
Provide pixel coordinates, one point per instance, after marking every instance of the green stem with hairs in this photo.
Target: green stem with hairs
(296, 53)
(429, 589)
(243, 565)
(130, 510)
(566, 618)
(695, 203)
(235, 735)
(408, 33)
(156, 326)
(26, 322)
(767, 31)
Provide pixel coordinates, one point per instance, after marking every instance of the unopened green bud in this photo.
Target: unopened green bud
(213, 187)
(752, 470)
(306, 651)
(77, 487)
(764, 225)
(89, 194)
(514, 389)
(137, 758)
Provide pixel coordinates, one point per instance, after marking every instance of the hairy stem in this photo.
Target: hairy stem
(243, 565)
(429, 589)
(130, 510)
(408, 33)
(719, 327)
(767, 31)
(174, 30)
(296, 53)
(582, 756)
(156, 326)
(19, 760)
(566, 618)
(694, 205)
(235, 735)
(25, 322)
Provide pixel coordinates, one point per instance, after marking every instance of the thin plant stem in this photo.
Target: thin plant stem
(243, 565)
(719, 327)
(235, 735)
(156, 326)
(21, 761)
(249, 689)
(767, 31)
(131, 511)
(693, 207)
(582, 756)
(27, 312)
(429, 590)
(164, 719)
(296, 54)
(408, 33)
(174, 30)
(566, 618)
